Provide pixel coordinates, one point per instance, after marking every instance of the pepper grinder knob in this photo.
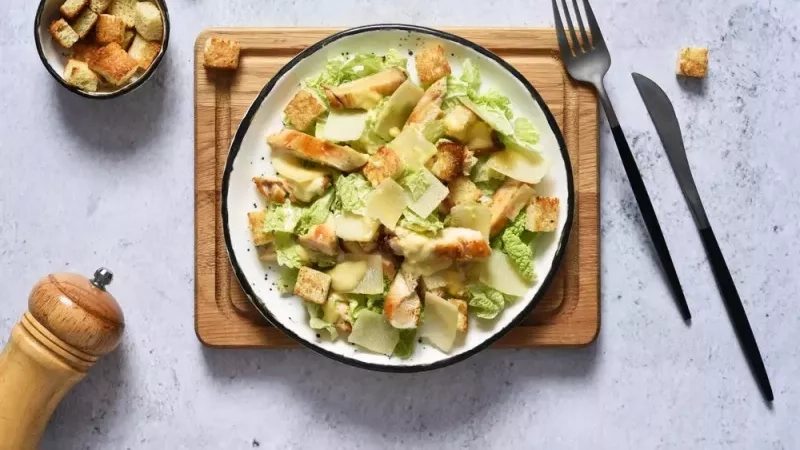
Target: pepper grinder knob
(71, 321)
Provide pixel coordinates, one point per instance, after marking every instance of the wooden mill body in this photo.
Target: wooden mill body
(71, 321)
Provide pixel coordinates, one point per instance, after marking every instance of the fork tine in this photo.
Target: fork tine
(586, 42)
(563, 44)
(597, 36)
(576, 44)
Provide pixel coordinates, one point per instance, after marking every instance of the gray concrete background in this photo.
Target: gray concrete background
(110, 183)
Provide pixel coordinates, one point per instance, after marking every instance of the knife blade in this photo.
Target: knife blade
(669, 131)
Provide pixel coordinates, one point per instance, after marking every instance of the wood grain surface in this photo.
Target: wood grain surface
(569, 315)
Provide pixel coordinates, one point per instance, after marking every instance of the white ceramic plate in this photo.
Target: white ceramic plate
(249, 156)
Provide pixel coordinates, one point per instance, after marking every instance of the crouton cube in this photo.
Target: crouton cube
(463, 317)
(448, 163)
(84, 23)
(78, 74)
(99, 6)
(128, 39)
(542, 214)
(109, 29)
(144, 51)
(63, 33)
(693, 62)
(257, 219)
(385, 163)
(71, 8)
(84, 51)
(457, 122)
(463, 191)
(114, 64)
(304, 109)
(148, 21)
(432, 64)
(125, 10)
(221, 53)
(312, 285)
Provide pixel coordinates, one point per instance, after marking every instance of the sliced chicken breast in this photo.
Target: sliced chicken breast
(366, 92)
(429, 107)
(402, 306)
(317, 150)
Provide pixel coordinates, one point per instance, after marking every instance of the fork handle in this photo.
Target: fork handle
(650, 219)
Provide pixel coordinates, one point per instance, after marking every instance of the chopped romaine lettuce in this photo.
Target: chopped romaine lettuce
(315, 321)
(490, 113)
(423, 225)
(485, 301)
(520, 253)
(525, 132)
(290, 253)
(405, 346)
(287, 280)
(282, 218)
(496, 101)
(351, 191)
(394, 58)
(315, 214)
(415, 182)
(466, 85)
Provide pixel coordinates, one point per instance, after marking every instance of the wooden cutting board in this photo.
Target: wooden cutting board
(569, 314)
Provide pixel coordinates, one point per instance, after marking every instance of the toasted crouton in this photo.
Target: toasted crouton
(382, 165)
(312, 285)
(256, 219)
(99, 6)
(63, 33)
(402, 306)
(304, 109)
(463, 317)
(148, 21)
(457, 123)
(448, 163)
(507, 202)
(78, 74)
(71, 8)
(128, 39)
(462, 191)
(114, 64)
(84, 23)
(432, 64)
(221, 53)
(365, 93)
(321, 238)
(144, 51)
(693, 62)
(109, 29)
(542, 214)
(125, 10)
(429, 107)
(317, 150)
(84, 51)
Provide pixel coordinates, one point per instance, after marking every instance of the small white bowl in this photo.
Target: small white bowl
(250, 156)
(54, 57)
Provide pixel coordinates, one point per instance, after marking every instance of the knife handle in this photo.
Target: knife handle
(736, 311)
(650, 220)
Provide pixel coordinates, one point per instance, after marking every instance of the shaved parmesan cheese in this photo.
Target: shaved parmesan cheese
(397, 109)
(528, 167)
(387, 203)
(352, 227)
(473, 216)
(374, 333)
(344, 126)
(347, 275)
(498, 273)
(291, 168)
(412, 147)
(429, 201)
(439, 323)
(372, 283)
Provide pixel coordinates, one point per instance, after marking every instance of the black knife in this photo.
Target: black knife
(669, 131)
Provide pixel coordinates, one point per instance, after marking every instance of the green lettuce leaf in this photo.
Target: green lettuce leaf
(287, 280)
(485, 301)
(361, 302)
(343, 69)
(282, 218)
(351, 190)
(424, 225)
(433, 131)
(525, 132)
(315, 214)
(289, 252)
(515, 242)
(493, 99)
(316, 323)
(466, 85)
(415, 182)
(394, 58)
(405, 346)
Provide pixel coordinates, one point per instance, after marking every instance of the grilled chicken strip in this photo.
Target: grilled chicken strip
(317, 150)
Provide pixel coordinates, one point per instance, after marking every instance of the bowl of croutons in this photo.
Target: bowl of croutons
(101, 48)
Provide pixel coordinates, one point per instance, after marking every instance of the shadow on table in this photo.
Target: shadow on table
(93, 404)
(124, 125)
(397, 404)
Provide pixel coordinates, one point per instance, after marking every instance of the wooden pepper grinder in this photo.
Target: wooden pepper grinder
(71, 322)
